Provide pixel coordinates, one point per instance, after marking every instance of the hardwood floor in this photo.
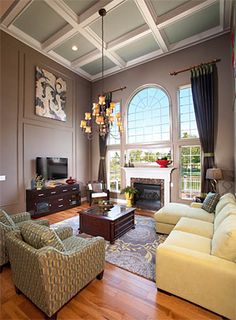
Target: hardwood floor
(121, 295)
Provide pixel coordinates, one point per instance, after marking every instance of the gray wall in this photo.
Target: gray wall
(157, 72)
(24, 135)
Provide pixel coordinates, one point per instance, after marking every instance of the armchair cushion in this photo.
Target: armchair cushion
(20, 217)
(39, 236)
(6, 219)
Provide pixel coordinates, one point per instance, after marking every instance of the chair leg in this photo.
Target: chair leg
(53, 317)
(17, 290)
(100, 275)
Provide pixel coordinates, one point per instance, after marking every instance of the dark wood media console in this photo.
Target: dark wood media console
(49, 200)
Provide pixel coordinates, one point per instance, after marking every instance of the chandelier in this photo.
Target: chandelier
(103, 114)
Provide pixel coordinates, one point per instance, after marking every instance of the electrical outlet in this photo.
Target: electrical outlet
(2, 178)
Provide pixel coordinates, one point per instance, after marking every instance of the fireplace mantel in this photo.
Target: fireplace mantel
(151, 173)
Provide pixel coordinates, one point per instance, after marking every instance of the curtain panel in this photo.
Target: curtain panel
(102, 174)
(204, 91)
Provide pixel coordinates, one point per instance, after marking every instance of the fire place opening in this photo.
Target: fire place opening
(150, 193)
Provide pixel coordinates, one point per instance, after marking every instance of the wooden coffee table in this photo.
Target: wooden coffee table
(110, 224)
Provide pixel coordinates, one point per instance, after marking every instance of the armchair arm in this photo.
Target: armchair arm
(64, 232)
(20, 217)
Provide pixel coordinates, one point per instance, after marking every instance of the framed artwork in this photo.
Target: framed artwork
(50, 99)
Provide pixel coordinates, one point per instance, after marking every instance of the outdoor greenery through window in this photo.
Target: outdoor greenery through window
(114, 170)
(148, 116)
(190, 169)
(114, 135)
(148, 155)
(187, 120)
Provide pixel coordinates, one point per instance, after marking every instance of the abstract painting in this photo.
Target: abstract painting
(50, 95)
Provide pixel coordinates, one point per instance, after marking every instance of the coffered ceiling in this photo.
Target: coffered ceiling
(135, 31)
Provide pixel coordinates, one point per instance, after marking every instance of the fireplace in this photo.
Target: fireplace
(150, 193)
(151, 175)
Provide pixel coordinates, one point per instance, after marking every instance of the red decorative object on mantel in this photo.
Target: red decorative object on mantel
(70, 181)
(163, 163)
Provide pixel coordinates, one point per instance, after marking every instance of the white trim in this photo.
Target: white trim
(18, 9)
(22, 36)
(150, 20)
(94, 55)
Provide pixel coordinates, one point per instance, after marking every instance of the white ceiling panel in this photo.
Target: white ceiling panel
(138, 48)
(39, 21)
(135, 31)
(122, 19)
(83, 45)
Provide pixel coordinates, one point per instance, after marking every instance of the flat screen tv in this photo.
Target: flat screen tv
(52, 168)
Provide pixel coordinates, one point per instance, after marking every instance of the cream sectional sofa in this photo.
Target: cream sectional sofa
(197, 261)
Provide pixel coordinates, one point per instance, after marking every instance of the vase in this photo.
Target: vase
(129, 199)
(163, 163)
(70, 181)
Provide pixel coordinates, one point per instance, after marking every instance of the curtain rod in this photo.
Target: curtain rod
(199, 65)
(118, 89)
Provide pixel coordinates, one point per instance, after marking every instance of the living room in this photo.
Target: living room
(26, 136)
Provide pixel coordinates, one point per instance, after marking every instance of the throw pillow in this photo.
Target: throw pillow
(39, 236)
(209, 204)
(6, 219)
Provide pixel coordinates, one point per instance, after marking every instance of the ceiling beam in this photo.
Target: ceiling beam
(129, 37)
(150, 20)
(19, 8)
(94, 55)
(184, 12)
(61, 36)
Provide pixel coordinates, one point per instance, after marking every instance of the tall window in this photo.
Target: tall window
(114, 170)
(187, 120)
(114, 135)
(190, 167)
(147, 155)
(148, 116)
(190, 155)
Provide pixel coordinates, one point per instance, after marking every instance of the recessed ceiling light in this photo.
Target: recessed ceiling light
(74, 48)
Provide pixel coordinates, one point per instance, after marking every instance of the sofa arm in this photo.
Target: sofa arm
(20, 217)
(196, 205)
(64, 232)
(201, 278)
(42, 222)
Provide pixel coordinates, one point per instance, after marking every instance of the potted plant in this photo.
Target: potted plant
(129, 195)
(163, 162)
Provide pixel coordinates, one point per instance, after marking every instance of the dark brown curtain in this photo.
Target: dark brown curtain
(204, 91)
(102, 175)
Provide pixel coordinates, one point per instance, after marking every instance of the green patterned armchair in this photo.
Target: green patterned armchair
(9, 222)
(51, 266)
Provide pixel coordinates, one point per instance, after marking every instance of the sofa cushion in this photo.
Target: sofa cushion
(172, 212)
(39, 236)
(189, 241)
(210, 202)
(6, 219)
(227, 210)
(201, 228)
(224, 200)
(224, 239)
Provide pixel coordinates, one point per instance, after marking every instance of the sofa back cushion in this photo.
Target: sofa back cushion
(224, 200)
(209, 204)
(39, 236)
(227, 210)
(6, 219)
(224, 239)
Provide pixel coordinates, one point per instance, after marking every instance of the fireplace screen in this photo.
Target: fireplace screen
(148, 196)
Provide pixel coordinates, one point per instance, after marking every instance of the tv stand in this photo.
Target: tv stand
(50, 200)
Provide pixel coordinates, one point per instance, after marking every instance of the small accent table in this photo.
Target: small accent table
(110, 224)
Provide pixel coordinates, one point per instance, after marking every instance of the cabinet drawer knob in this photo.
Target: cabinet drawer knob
(40, 194)
(60, 205)
(64, 190)
(53, 192)
(61, 199)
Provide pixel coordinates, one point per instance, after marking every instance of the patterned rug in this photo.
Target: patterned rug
(135, 251)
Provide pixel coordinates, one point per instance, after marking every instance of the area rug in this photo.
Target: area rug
(135, 251)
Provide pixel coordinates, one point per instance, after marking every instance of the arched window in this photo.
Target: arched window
(148, 118)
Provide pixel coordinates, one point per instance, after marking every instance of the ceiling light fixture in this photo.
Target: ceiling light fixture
(102, 116)
(74, 48)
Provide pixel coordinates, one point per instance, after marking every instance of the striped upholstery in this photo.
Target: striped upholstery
(39, 236)
(50, 278)
(6, 225)
(6, 219)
